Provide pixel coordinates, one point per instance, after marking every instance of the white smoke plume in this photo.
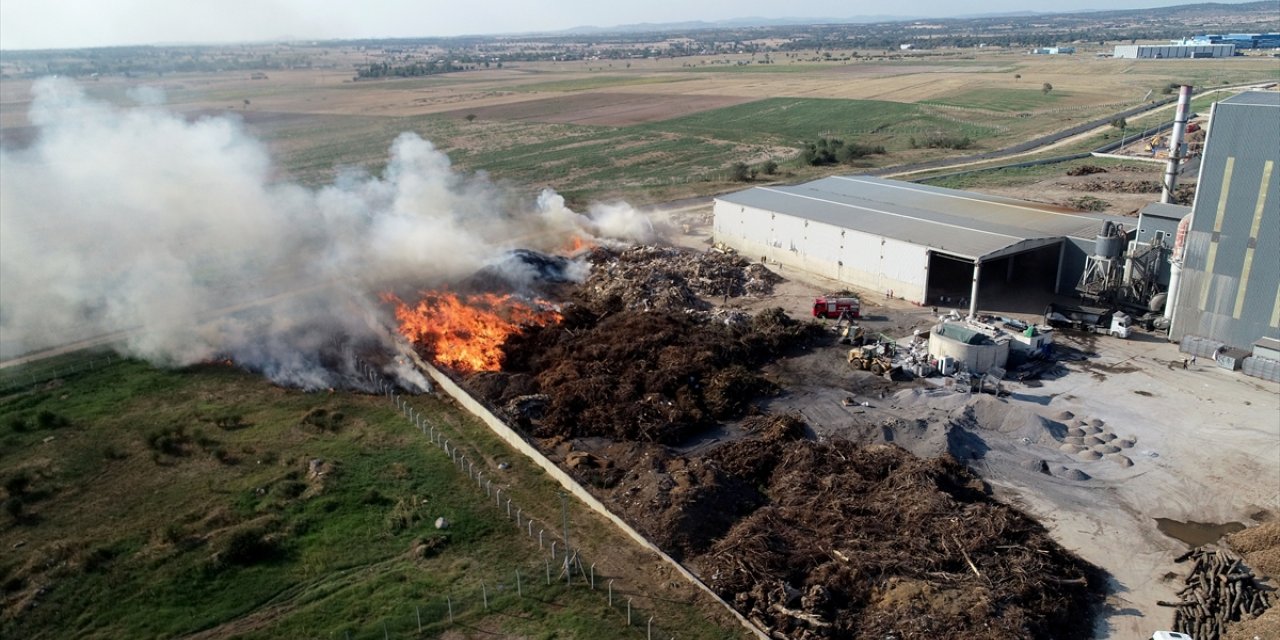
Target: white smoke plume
(135, 220)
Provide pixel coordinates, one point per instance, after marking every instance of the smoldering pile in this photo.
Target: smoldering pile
(651, 278)
(648, 377)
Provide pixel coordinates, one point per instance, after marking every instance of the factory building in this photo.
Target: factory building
(1154, 51)
(1158, 224)
(1238, 40)
(1228, 291)
(920, 243)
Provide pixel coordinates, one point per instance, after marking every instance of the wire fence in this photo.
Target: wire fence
(560, 573)
(32, 376)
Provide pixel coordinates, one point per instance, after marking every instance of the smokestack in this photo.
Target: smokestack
(1175, 143)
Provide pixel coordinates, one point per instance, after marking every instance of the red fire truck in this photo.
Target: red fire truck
(836, 306)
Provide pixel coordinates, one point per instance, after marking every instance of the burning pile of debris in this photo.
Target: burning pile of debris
(810, 540)
(650, 278)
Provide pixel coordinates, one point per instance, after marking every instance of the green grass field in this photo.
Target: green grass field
(158, 503)
(1003, 100)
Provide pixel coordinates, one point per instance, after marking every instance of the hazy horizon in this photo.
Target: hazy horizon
(38, 24)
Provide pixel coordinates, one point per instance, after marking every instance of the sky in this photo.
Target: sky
(38, 24)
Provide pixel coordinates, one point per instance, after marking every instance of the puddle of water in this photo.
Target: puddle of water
(1196, 534)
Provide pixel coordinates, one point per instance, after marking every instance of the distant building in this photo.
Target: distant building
(1229, 290)
(906, 47)
(1238, 40)
(1052, 51)
(1157, 51)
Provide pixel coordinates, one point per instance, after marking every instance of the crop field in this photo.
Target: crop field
(1002, 99)
(144, 503)
(655, 129)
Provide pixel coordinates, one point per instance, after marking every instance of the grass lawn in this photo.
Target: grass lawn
(159, 503)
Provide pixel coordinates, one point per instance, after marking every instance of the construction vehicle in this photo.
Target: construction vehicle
(834, 306)
(1093, 319)
(876, 358)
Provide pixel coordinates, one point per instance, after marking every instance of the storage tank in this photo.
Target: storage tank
(974, 351)
(1110, 243)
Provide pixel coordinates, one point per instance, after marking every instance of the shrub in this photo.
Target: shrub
(17, 484)
(832, 150)
(49, 420)
(769, 167)
(13, 507)
(740, 172)
(249, 546)
(944, 141)
(18, 425)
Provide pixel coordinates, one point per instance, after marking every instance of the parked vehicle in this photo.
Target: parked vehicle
(1095, 319)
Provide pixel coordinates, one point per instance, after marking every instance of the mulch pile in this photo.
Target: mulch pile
(649, 278)
(646, 377)
(808, 539)
(862, 542)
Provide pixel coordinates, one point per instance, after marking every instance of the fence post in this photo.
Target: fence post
(611, 594)
(519, 589)
(548, 573)
(540, 538)
(508, 507)
(628, 612)
(593, 576)
(553, 549)
(418, 612)
(385, 635)
(649, 632)
(449, 600)
(484, 593)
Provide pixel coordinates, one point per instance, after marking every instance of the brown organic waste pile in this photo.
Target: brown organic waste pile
(648, 278)
(810, 540)
(1183, 194)
(645, 377)
(1260, 548)
(1220, 590)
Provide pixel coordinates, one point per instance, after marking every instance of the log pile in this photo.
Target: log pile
(650, 278)
(1219, 590)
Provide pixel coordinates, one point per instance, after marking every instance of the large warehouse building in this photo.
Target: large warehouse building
(1153, 51)
(1229, 291)
(925, 244)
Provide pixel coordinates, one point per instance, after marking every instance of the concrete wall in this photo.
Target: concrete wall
(862, 260)
(1076, 252)
(975, 358)
(517, 442)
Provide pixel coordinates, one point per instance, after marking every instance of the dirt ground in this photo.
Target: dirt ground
(1155, 441)
(603, 108)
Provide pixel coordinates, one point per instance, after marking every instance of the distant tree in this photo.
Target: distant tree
(1017, 76)
(471, 117)
(1119, 123)
(1046, 88)
(246, 103)
(769, 167)
(740, 172)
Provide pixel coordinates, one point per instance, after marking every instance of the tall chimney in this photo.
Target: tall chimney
(1175, 143)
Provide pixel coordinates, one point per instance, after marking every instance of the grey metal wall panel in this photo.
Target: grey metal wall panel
(1231, 273)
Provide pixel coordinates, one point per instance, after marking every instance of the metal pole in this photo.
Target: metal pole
(519, 589)
(611, 594)
(418, 612)
(548, 572)
(628, 612)
(649, 632)
(553, 548)
(385, 635)
(564, 513)
(484, 593)
(449, 600)
(593, 576)
(540, 538)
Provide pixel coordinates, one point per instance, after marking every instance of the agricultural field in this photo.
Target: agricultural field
(206, 502)
(655, 129)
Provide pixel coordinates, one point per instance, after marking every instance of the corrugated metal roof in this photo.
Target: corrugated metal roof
(969, 225)
(1166, 211)
(1256, 98)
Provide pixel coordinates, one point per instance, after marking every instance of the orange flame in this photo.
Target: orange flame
(466, 334)
(577, 244)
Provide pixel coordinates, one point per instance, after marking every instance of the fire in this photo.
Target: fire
(466, 334)
(577, 244)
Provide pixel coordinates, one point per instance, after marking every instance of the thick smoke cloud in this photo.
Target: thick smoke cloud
(136, 220)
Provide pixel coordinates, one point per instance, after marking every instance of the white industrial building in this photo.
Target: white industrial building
(920, 243)
(1155, 51)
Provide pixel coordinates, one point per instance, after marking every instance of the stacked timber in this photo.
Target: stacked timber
(1219, 590)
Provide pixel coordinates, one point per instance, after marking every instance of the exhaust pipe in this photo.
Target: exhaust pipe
(1175, 144)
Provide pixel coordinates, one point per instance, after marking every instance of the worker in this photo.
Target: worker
(1184, 363)
(1193, 361)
